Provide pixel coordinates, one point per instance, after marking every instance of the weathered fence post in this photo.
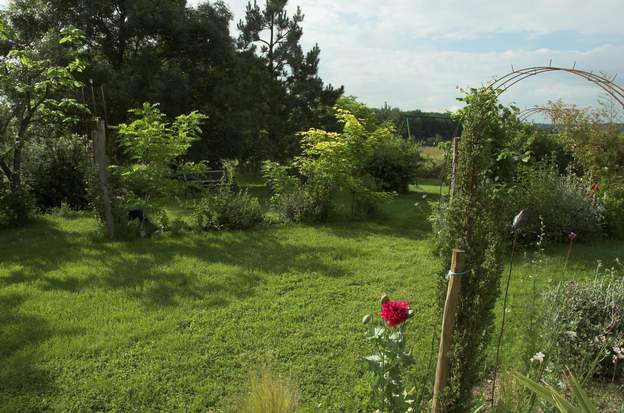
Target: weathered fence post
(454, 152)
(101, 165)
(448, 321)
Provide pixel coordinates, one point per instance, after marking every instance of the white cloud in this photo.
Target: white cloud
(382, 51)
(390, 51)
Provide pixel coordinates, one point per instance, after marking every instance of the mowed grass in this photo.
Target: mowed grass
(180, 323)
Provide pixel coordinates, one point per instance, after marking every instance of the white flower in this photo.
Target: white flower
(539, 357)
(571, 334)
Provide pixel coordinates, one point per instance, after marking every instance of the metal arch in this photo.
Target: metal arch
(608, 85)
(524, 114)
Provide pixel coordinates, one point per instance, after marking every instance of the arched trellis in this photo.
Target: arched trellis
(524, 114)
(503, 83)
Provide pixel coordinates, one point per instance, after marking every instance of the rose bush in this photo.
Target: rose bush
(390, 357)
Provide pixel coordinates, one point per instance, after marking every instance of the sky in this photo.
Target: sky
(414, 54)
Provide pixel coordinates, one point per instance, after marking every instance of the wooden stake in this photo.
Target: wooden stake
(448, 322)
(101, 165)
(455, 149)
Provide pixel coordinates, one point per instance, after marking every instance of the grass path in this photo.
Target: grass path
(179, 324)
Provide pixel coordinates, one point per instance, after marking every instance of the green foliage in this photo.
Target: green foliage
(17, 207)
(331, 163)
(613, 200)
(33, 97)
(155, 148)
(228, 209)
(475, 221)
(365, 115)
(584, 322)
(394, 164)
(593, 139)
(340, 158)
(564, 203)
(388, 365)
(57, 172)
(580, 401)
(269, 395)
(294, 200)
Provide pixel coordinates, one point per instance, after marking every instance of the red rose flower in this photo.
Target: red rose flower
(394, 312)
(594, 187)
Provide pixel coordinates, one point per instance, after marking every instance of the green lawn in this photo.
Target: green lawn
(179, 324)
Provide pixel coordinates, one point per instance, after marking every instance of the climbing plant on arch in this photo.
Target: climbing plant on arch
(474, 220)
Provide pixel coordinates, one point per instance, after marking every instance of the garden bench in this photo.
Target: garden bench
(208, 178)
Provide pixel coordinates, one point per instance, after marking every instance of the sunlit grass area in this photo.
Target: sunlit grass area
(180, 323)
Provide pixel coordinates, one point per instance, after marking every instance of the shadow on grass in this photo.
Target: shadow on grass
(158, 272)
(20, 335)
(406, 216)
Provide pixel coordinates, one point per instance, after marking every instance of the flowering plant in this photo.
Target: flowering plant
(394, 312)
(390, 356)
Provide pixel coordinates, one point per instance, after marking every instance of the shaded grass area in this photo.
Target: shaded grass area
(180, 323)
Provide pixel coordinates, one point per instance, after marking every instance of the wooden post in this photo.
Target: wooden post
(448, 322)
(101, 165)
(454, 150)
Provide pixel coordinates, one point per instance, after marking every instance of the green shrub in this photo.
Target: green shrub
(584, 323)
(613, 200)
(394, 164)
(295, 200)
(16, 207)
(156, 148)
(57, 172)
(178, 227)
(433, 168)
(226, 209)
(565, 203)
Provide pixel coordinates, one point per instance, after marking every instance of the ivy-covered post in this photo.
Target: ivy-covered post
(474, 220)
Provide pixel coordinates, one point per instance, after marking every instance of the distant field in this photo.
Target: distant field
(432, 152)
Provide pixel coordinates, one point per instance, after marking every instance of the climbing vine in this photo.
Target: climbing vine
(475, 221)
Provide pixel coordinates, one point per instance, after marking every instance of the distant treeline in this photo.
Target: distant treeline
(549, 126)
(429, 127)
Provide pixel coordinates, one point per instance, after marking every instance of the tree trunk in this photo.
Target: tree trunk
(16, 176)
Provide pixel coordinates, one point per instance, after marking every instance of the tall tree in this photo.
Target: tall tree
(277, 34)
(305, 101)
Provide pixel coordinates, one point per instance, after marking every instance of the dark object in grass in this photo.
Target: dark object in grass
(147, 228)
(136, 213)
